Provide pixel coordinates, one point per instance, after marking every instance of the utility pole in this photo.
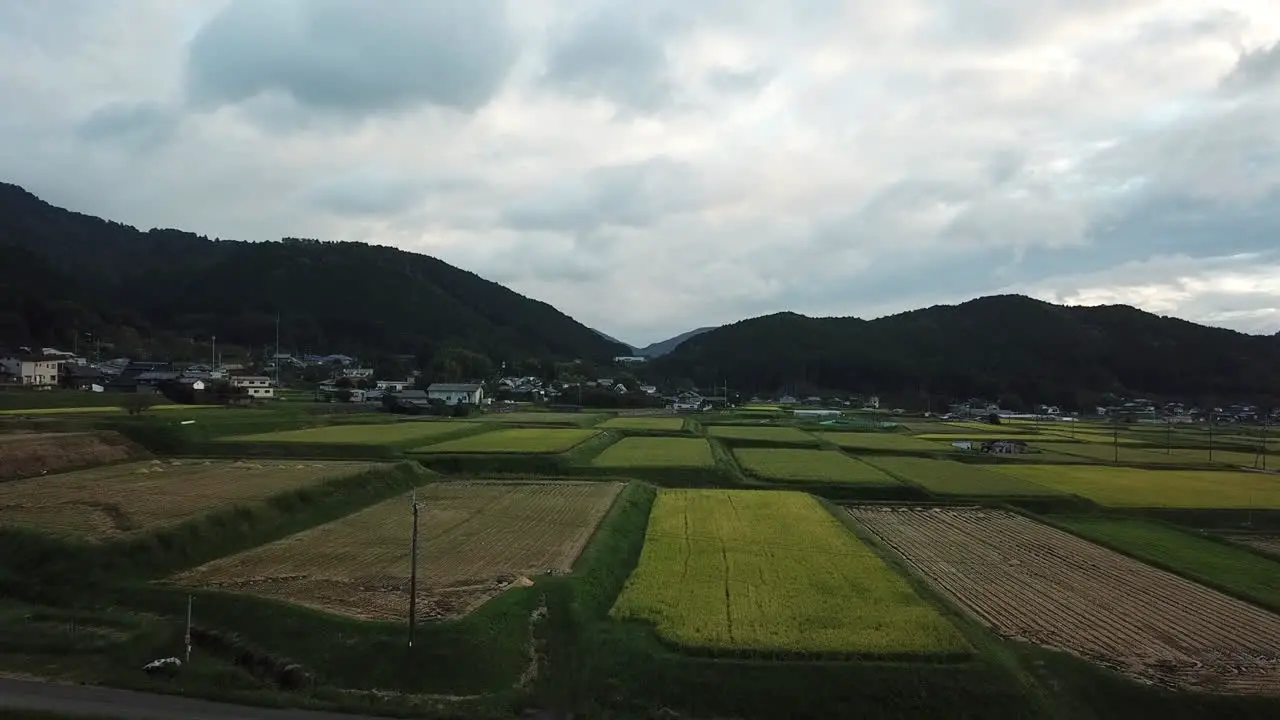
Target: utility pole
(1262, 449)
(1115, 439)
(213, 359)
(187, 637)
(277, 357)
(1211, 436)
(413, 573)
(1168, 436)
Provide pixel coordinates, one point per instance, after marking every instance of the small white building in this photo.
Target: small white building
(394, 386)
(456, 393)
(258, 386)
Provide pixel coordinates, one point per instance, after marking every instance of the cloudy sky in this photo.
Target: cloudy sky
(649, 167)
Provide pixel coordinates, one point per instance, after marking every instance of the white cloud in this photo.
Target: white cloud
(651, 167)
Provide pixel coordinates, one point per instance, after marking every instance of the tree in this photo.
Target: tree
(138, 402)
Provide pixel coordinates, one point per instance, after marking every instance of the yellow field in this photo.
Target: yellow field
(774, 571)
(515, 440)
(662, 424)
(108, 503)
(384, 434)
(476, 539)
(1133, 487)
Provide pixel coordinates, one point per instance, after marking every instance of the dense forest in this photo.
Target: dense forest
(68, 278)
(1010, 347)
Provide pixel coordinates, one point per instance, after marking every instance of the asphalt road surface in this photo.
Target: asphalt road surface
(128, 705)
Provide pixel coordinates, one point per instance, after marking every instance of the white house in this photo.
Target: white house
(456, 393)
(36, 370)
(394, 386)
(258, 386)
(360, 373)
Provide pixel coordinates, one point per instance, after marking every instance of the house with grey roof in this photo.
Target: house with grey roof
(456, 393)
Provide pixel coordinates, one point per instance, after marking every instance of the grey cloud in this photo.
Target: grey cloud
(734, 81)
(1255, 69)
(353, 58)
(616, 56)
(137, 125)
(365, 194)
(998, 22)
(633, 195)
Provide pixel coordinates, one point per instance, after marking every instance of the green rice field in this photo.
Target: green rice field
(656, 452)
(384, 434)
(544, 418)
(1138, 487)
(785, 464)
(788, 435)
(772, 571)
(515, 440)
(1107, 453)
(947, 477)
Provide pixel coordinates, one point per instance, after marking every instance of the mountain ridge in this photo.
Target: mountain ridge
(354, 297)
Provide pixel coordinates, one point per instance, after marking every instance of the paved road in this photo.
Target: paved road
(129, 705)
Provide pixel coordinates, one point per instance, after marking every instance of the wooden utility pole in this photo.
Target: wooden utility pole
(187, 636)
(413, 573)
(1210, 436)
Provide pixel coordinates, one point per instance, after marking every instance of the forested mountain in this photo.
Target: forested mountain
(1008, 347)
(65, 273)
(663, 347)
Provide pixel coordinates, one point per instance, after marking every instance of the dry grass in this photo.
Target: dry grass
(108, 503)
(476, 538)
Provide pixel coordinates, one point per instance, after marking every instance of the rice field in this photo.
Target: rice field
(383, 434)
(476, 540)
(656, 452)
(515, 440)
(657, 424)
(545, 418)
(1138, 487)
(785, 464)
(119, 501)
(1107, 453)
(744, 570)
(762, 433)
(882, 441)
(948, 477)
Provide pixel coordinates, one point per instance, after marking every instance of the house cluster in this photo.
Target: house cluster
(1144, 410)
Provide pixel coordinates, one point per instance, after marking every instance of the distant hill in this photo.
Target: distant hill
(1010, 347)
(66, 273)
(630, 349)
(663, 347)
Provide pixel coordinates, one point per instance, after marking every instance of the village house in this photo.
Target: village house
(258, 386)
(456, 393)
(37, 371)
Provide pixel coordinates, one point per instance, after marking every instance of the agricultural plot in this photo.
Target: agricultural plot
(772, 571)
(110, 503)
(1032, 582)
(1236, 570)
(1093, 436)
(856, 441)
(1228, 457)
(382, 434)
(544, 418)
(979, 437)
(1269, 544)
(515, 440)
(476, 540)
(1107, 453)
(658, 424)
(1002, 430)
(785, 464)
(27, 454)
(1136, 487)
(655, 452)
(947, 477)
(762, 433)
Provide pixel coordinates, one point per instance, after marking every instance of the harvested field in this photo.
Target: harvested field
(30, 454)
(787, 435)
(772, 571)
(660, 424)
(381, 434)
(476, 540)
(947, 477)
(1138, 487)
(809, 465)
(656, 452)
(109, 503)
(855, 441)
(1031, 582)
(1269, 544)
(515, 440)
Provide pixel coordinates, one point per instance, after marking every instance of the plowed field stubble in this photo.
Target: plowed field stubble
(1030, 581)
(476, 539)
(108, 503)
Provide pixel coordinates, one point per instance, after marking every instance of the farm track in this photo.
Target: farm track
(1032, 582)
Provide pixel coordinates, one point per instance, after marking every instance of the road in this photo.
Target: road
(128, 705)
